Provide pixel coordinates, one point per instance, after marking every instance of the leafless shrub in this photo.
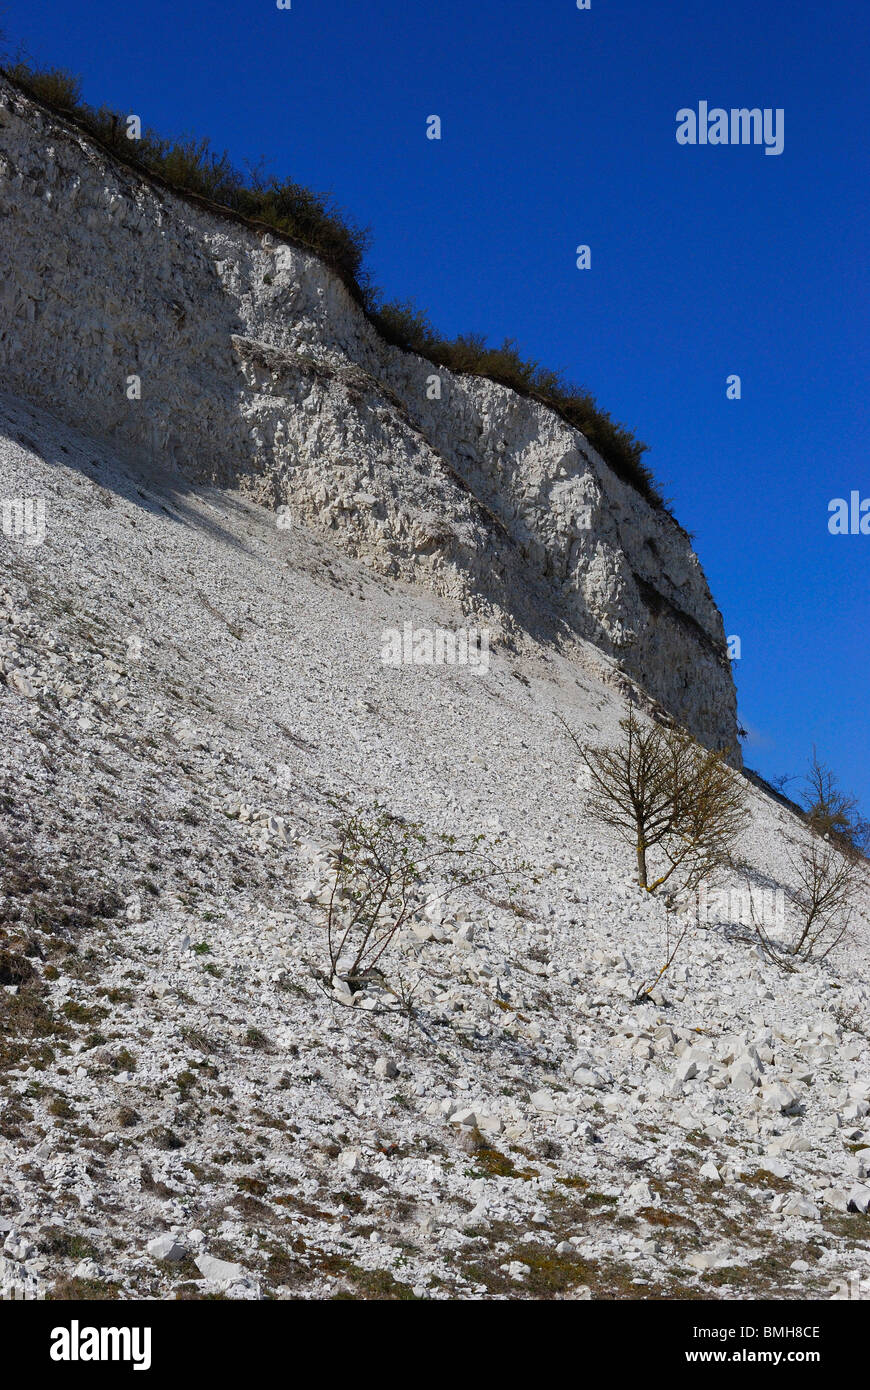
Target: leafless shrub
(405, 989)
(382, 867)
(772, 951)
(676, 931)
(828, 883)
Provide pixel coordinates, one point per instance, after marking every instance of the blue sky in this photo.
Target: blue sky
(559, 129)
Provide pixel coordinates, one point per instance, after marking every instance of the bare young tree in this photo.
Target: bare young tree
(679, 805)
(376, 871)
(828, 883)
(829, 809)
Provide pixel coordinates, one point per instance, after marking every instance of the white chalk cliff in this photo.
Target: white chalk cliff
(258, 369)
(191, 700)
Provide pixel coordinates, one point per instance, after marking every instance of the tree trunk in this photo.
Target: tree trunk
(641, 863)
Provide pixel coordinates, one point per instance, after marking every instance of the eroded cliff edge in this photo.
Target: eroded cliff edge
(257, 368)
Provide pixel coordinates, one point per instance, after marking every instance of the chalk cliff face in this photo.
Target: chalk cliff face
(257, 368)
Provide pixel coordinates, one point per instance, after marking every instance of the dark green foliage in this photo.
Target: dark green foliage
(405, 325)
(192, 166)
(54, 86)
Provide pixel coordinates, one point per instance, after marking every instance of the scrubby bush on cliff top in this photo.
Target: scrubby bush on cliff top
(190, 165)
(408, 327)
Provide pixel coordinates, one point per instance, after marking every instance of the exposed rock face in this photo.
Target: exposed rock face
(256, 366)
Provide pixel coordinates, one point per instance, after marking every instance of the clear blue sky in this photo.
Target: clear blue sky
(559, 129)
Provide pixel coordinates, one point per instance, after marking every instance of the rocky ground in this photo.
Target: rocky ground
(191, 697)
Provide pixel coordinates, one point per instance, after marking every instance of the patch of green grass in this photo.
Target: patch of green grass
(285, 1267)
(27, 1021)
(117, 996)
(368, 1284)
(83, 1013)
(492, 1163)
(550, 1275)
(193, 1293)
(600, 1199)
(852, 1226)
(68, 1245)
(87, 1290)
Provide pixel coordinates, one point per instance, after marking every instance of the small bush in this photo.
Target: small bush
(830, 872)
(832, 812)
(69, 1245)
(384, 869)
(15, 968)
(123, 1060)
(191, 165)
(826, 898)
(256, 1038)
(162, 1137)
(54, 86)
